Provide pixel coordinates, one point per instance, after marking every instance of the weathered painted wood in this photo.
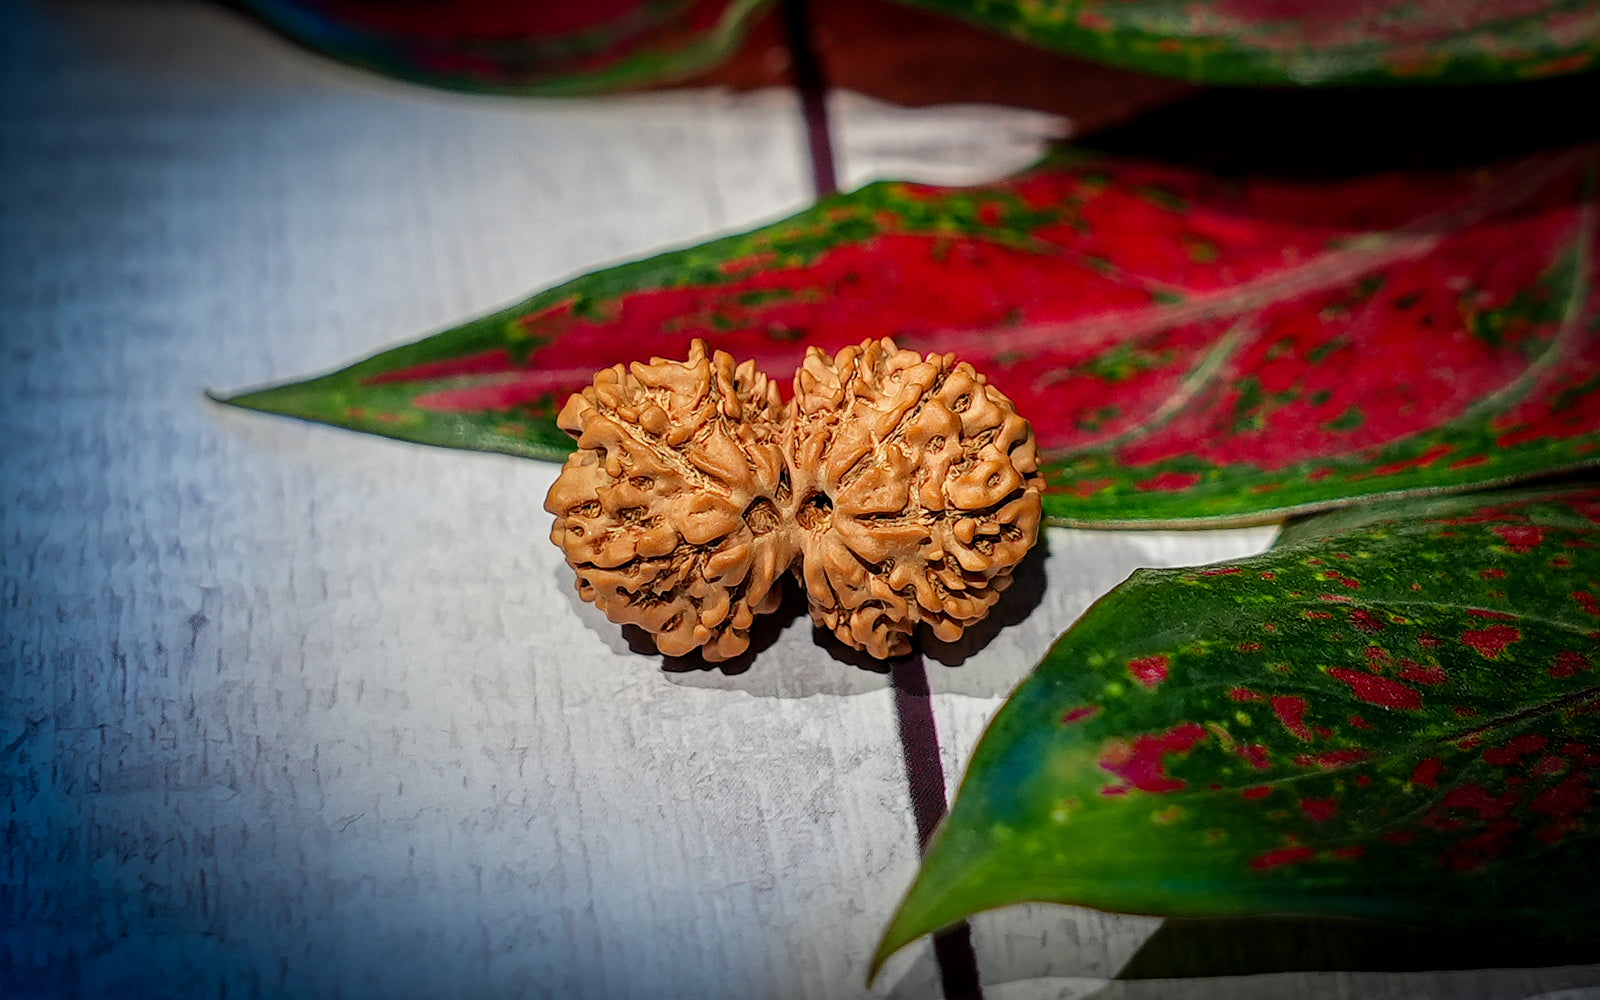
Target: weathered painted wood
(287, 711)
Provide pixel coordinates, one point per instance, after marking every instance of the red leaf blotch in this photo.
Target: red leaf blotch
(1169, 482)
(1521, 538)
(1476, 799)
(1281, 856)
(1149, 670)
(1418, 673)
(1581, 753)
(1378, 690)
(1080, 713)
(1421, 461)
(1565, 799)
(1256, 756)
(1476, 852)
(1550, 766)
(1569, 662)
(1291, 711)
(1365, 620)
(1319, 810)
(1427, 773)
(1086, 488)
(494, 396)
(1511, 754)
(1141, 763)
(1492, 641)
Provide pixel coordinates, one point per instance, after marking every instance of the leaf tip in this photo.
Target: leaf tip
(262, 399)
(894, 938)
(244, 399)
(911, 920)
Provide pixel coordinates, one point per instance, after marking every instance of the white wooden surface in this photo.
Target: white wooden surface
(286, 711)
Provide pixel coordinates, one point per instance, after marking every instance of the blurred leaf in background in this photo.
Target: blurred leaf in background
(566, 48)
(1308, 42)
(520, 47)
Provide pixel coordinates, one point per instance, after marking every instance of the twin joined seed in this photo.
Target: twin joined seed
(901, 489)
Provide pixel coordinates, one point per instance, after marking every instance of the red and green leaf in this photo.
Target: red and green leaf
(1189, 347)
(1393, 714)
(520, 47)
(607, 44)
(1307, 41)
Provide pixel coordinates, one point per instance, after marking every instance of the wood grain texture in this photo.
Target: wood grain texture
(287, 711)
(291, 712)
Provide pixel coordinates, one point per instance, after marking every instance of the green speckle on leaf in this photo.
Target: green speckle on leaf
(1162, 198)
(1123, 363)
(1201, 251)
(1247, 404)
(1320, 352)
(1349, 420)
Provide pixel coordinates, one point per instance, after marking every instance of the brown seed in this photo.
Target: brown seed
(887, 438)
(657, 491)
(906, 488)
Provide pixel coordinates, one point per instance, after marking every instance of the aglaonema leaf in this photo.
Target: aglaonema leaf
(1392, 714)
(1190, 348)
(1307, 41)
(514, 46)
